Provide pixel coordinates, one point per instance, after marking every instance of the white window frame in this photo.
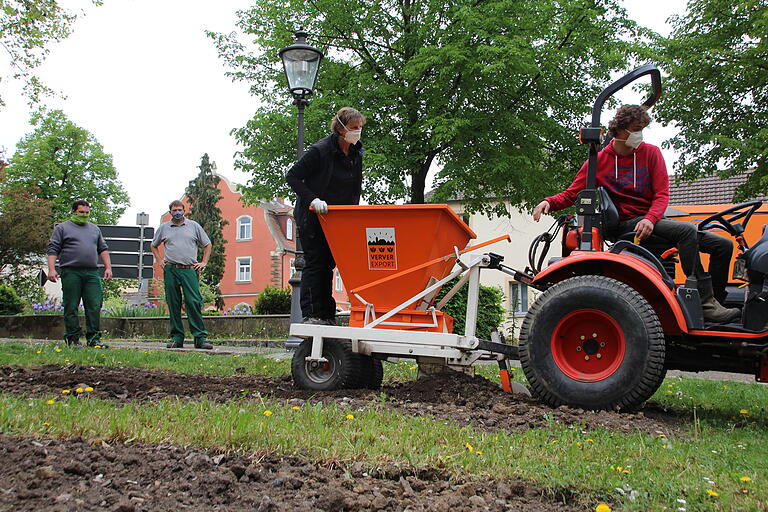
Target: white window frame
(242, 262)
(241, 224)
(292, 270)
(289, 229)
(518, 298)
(338, 282)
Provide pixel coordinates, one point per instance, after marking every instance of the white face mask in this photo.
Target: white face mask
(352, 136)
(634, 139)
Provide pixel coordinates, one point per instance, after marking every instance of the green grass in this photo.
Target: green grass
(721, 446)
(186, 363)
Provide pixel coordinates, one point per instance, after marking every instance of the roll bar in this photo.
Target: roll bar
(587, 199)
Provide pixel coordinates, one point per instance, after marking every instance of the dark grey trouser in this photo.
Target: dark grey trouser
(689, 241)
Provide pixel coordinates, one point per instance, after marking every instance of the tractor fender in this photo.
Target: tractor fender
(630, 270)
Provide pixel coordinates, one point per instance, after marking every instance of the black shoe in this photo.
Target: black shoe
(203, 344)
(315, 321)
(73, 343)
(175, 344)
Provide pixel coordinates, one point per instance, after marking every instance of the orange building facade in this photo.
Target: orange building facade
(260, 248)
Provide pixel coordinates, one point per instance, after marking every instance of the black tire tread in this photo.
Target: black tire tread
(655, 370)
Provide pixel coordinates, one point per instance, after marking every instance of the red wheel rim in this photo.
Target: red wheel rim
(588, 345)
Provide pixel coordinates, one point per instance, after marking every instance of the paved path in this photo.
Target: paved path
(269, 348)
(275, 349)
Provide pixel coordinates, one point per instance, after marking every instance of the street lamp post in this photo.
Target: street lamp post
(301, 63)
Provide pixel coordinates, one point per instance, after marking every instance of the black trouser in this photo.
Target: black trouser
(689, 241)
(317, 276)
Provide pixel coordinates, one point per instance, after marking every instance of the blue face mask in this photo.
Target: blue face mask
(177, 215)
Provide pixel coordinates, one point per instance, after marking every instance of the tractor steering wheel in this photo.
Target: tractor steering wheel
(726, 218)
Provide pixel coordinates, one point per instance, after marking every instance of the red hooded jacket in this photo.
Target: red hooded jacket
(638, 183)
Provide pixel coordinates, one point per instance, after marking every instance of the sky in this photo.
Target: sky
(143, 78)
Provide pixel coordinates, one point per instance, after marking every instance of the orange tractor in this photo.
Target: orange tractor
(611, 320)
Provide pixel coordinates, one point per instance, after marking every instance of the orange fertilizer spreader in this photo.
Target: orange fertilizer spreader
(393, 260)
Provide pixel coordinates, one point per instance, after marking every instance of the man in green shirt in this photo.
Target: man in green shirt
(181, 238)
(78, 245)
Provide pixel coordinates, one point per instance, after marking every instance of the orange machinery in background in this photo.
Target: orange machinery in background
(696, 213)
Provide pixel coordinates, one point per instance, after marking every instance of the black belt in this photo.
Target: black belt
(179, 266)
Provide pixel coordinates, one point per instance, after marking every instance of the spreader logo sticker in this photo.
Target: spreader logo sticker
(382, 249)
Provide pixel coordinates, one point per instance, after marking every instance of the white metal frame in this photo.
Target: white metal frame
(453, 349)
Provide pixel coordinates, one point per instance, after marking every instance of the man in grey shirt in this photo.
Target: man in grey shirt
(180, 238)
(78, 245)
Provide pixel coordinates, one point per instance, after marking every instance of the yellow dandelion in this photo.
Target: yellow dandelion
(478, 452)
(39, 352)
(79, 390)
(235, 355)
(57, 349)
(66, 360)
(661, 435)
(744, 411)
(468, 447)
(413, 367)
(713, 493)
(264, 366)
(448, 457)
(625, 471)
(65, 391)
(97, 346)
(602, 507)
(46, 424)
(350, 416)
(590, 440)
(669, 392)
(745, 479)
(88, 389)
(267, 413)
(578, 443)
(296, 408)
(51, 402)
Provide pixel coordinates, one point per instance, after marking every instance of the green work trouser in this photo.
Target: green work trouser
(85, 284)
(176, 281)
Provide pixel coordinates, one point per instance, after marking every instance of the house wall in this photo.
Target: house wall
(270, 258)
(522, 229)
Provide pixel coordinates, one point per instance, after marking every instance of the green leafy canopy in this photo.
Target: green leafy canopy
(27, 27)
(61, 162)
(203, 195)
(717, 91)
(491, 92)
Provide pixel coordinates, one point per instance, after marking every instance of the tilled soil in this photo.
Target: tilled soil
(457, 398)
(78, 475)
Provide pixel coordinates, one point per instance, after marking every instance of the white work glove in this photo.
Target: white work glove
(319, 205)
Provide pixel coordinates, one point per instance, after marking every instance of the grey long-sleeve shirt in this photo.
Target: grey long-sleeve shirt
(76, 245)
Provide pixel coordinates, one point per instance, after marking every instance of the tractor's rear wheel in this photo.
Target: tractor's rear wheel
(342, 370)
(592, 342)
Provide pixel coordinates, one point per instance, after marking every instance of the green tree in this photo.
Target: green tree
(491, 90)
(717, 91)
(27, 27)
(60, 162)
(203, 194)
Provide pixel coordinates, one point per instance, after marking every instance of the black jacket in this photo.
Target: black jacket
(309, 177)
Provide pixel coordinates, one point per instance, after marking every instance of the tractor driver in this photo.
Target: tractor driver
(635, 175)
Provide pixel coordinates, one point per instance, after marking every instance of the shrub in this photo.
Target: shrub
(10, 302)
(490, 308)
(273, 301)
